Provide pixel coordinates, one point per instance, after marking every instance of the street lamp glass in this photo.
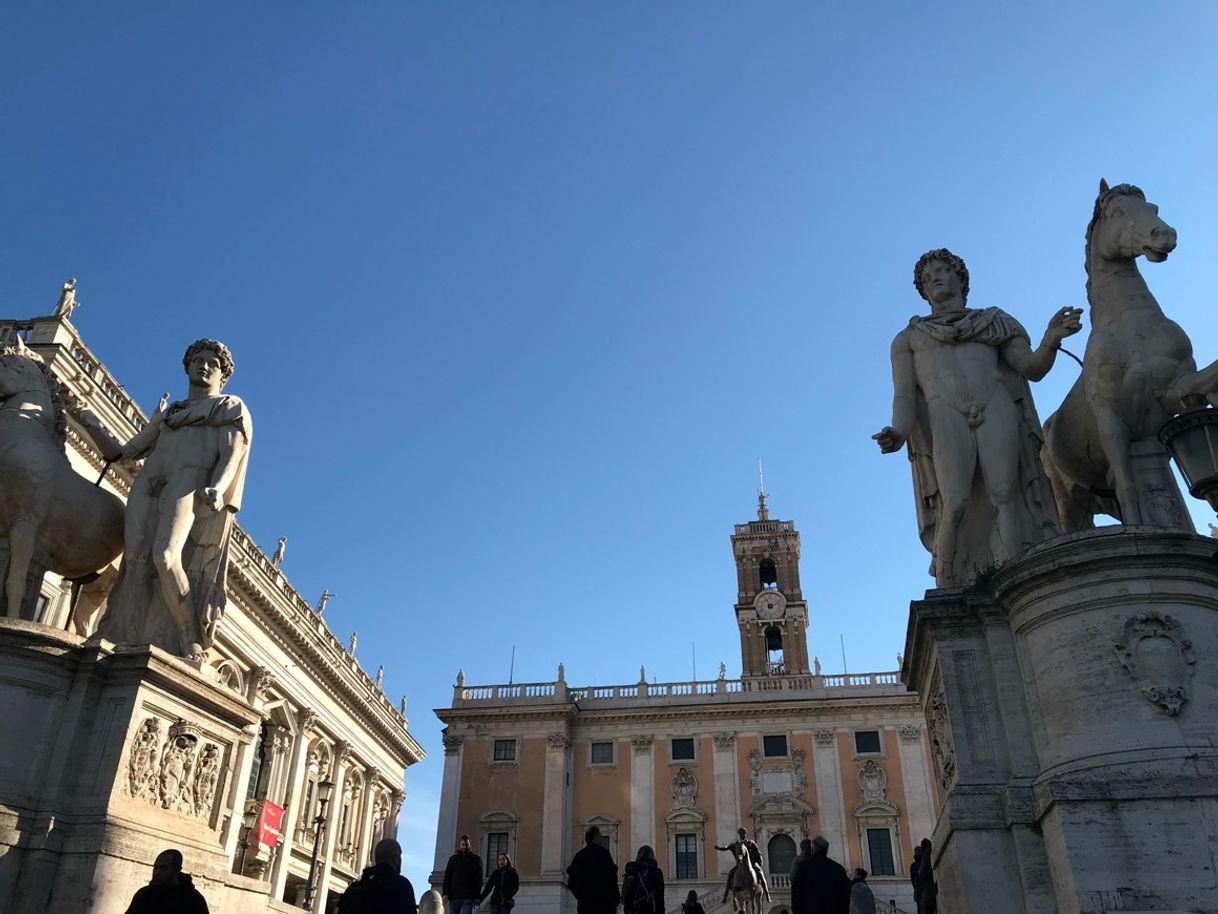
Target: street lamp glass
(325, 790)
(1192, 438)
(251, 815)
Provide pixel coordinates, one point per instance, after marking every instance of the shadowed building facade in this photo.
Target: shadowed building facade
(782, 750)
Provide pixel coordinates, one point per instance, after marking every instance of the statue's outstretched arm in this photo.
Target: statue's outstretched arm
(233, 445)
(1035, 365)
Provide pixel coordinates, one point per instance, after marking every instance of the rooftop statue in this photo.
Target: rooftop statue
(53, 517)
(963, 407)
(67, 300)
(1137, 366)
(171, 585)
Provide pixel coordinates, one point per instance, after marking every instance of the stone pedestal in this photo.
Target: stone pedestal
(112, 755)
(1072, 704)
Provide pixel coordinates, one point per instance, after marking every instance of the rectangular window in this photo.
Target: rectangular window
(866, 742)
(687, 856)
(774, 746)
(496, 844)
(602, 753)
(683, 749)
(879, 848)
(505, 750)
(40, 608)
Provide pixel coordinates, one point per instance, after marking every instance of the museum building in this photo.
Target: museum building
(782, 750)
(277, 761)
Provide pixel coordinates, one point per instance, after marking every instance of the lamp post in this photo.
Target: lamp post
(324, 790)
(247, 824)
(1192, 439)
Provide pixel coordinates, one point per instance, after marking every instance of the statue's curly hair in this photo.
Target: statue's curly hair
(956, 263)
(226, 357)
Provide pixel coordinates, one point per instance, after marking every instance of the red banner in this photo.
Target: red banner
(270, 820)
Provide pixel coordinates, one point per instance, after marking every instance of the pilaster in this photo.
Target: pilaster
(450, 795)
(555, 806)
(642, 791)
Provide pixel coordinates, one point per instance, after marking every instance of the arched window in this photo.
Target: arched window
(781, 853)
(773, 647)
(769, 574)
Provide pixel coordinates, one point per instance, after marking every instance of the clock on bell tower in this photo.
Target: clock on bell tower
(770, 608)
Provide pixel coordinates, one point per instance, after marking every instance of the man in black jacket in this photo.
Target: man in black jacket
(819, 885)
(592, 877)
(462, 879)
(170, 892)
(382, 889)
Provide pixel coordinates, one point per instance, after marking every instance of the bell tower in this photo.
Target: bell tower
(770, 607)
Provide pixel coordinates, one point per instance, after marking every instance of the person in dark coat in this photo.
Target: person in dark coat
(913, 877)
(381, 889)
(691, 905)
(462, 879)
(592, 877)
(819, 885)
(170, 891)
(646, 869)
(502, 885)
(925, 889)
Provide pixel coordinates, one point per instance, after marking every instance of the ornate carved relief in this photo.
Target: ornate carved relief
(558, 740)
(642, 743)
(452, 744)
(910, 733)
(263, 682)
(684, 789)
(308, 717)
(342, 751)
(825, 736)
(724, 740)
(1155, 653)
(173, 772)
(941, 746)
(874, 782)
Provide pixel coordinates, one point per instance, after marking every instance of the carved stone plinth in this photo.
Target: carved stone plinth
(1072, 707)
(113, 755)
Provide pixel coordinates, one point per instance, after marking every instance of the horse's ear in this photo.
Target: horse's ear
(19, 344)
(1103, 186)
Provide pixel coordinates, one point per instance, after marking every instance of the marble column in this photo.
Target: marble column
(338, 775)
(363, 838)
(919, 805)
(829, 801)
(395, 813)
(450, 795)
(235, 803)
(642, 792)
(727, 800)
(556, 807)
(291, 810)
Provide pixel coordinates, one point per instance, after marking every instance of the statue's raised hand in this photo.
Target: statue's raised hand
(1066, 322)
(889, 438)
(212, 498)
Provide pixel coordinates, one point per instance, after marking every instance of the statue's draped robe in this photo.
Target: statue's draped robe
(136, 612)
(1034, 504)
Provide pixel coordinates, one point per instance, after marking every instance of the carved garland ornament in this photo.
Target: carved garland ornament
(824, 736)
(1162, 667)
(174, 773)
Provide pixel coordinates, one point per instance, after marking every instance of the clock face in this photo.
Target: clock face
(770, 605)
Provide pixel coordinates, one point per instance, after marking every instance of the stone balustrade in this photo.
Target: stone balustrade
(662, 693)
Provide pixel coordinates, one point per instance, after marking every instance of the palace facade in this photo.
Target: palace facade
(782, 750)
(127, 750)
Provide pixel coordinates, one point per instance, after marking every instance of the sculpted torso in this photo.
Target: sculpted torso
(183, 459)
(961, 376)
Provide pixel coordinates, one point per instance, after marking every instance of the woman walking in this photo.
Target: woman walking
(502, 885)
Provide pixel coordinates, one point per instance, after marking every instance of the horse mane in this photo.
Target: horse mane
(1100, 202)
(60, 431)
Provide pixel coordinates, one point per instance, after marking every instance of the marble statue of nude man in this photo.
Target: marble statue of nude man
(962, 405)
(171, 585)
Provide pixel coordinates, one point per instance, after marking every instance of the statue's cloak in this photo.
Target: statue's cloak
(1034, 498)
(136, 612)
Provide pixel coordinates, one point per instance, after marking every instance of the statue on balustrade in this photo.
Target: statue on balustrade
(171, 587)
(963, 408)
(53, 518)
(1138, 364)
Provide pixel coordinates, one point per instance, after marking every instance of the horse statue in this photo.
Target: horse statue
(746, 890)
(53, 517)
(1137, 365)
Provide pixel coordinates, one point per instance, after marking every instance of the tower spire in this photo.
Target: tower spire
(763, 513)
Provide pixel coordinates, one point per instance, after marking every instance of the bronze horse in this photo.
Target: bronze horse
(53, 517)
(1137, 365)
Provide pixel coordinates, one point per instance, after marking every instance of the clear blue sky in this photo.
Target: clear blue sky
(519, 292)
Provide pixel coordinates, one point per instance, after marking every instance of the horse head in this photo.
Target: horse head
(22, 371)
(1125, 226)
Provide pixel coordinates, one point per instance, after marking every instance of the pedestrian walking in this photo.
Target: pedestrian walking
(819, 885)
(170, 891)
(592, 877)
(381, 888)
(862, 901)
(691, 905)
(501, 885)
(925, 890)
(643, 887)
(462, 879)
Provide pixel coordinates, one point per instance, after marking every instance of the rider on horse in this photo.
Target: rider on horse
(745, 853)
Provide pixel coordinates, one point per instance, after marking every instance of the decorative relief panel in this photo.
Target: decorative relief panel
(178, 772)
(874, 782)
(1155, 653)
(684, 789)
(941, 746)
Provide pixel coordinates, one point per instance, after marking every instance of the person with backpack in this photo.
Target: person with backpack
(691, 905)
(382, 889)
(643, 887)
(502, 885)
(592, 877)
